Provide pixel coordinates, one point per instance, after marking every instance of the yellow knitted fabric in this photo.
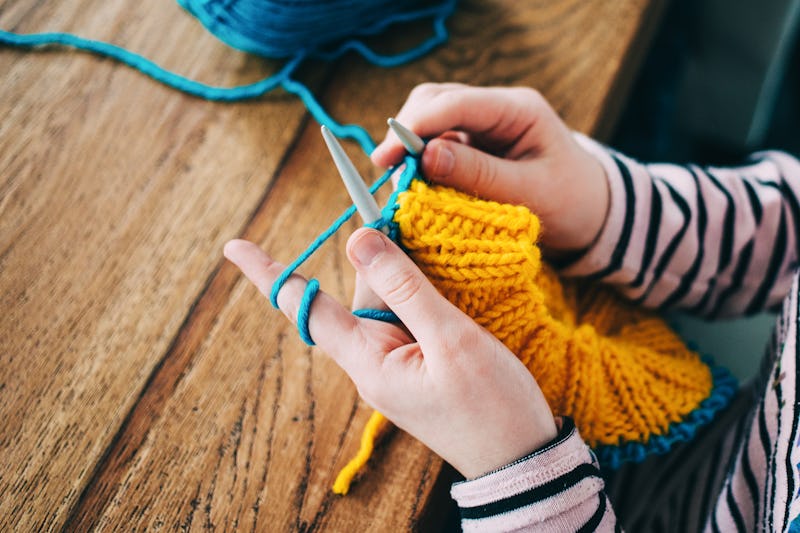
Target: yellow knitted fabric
(617, 370)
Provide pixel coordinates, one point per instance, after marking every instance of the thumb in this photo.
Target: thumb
(396, 280)
(472, 171)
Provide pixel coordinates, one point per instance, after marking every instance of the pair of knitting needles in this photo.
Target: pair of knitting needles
(363, 200)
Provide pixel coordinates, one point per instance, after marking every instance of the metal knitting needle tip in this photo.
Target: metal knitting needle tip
(362, 198)
(413, 143)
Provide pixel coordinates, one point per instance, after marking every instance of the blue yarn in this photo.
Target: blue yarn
(287, 29)
(147, 67)
(376, 314)
(386, 220)
(319, 241)
(323, 29)
(349, 131)
(305, 308)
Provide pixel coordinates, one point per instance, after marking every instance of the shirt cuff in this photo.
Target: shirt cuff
(607, 254)
(557, 487)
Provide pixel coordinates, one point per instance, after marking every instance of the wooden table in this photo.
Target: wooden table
(144, 384)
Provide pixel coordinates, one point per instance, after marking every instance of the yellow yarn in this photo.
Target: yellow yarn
(374, 426)
(617, 370)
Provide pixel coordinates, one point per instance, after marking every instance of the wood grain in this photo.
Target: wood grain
(143, 382)
(116, 196)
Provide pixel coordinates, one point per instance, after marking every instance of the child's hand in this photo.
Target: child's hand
(452, 385)
(508, 145)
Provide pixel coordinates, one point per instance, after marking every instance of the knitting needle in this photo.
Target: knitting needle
(365, 205)
(413, 143)
(362, 198)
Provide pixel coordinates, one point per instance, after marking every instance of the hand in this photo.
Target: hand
(444, 379)
(507, 145)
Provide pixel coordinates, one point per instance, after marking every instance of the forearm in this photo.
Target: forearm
(714, 241)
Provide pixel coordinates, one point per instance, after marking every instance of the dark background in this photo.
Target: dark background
(691, 102)
(738, 39)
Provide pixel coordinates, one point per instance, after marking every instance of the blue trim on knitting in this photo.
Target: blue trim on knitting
(723, 390)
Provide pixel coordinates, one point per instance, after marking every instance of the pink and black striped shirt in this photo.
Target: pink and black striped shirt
(714, 242)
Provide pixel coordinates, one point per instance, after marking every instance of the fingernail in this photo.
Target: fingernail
(368, 247)
(441, 161)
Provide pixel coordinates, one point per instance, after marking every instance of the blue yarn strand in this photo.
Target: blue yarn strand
(376, 314)
(319, 241)
(349, 131)
(304, 311)
(440, 35)
(148, 68)
(387, 216)
(302, 258)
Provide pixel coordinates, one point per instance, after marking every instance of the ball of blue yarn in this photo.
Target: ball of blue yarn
(291, 29)
(284, 28)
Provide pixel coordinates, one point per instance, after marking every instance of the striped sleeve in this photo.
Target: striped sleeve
(762, 488)
(557, 488)
(714, 241)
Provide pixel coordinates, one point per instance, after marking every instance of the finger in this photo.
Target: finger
(332, 327)
(365, 298)
(397, 281)
(475, 172)
(502, 113)
(494, 117)
(391, 151)
(396, 175)
(456, 136)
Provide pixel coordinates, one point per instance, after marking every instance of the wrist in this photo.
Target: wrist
(616, 224)
(562, 429)
(510, 448)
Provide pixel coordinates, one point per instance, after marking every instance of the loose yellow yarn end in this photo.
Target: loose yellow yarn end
(372, 430)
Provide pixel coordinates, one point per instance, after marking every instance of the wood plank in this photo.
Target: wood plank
(265, 418)
(254, 425)
(116, 195)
